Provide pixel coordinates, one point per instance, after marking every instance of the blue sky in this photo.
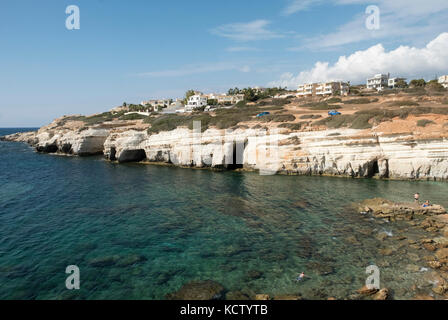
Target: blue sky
(135, 50)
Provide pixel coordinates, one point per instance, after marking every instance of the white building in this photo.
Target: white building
(225, 98)
(323, 88)
(378, 81)
(196, 101)
(443, 80)
(157, 103)
(392, 82)
(306, 89)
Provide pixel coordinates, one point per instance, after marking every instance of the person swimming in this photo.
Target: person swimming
(300, 277)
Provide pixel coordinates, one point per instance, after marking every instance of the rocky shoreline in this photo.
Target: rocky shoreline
(343, 152)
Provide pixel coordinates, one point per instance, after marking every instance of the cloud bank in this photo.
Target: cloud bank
(404, 61)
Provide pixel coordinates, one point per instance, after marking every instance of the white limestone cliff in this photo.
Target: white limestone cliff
(341, 152)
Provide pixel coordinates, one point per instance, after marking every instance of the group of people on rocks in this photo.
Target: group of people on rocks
(417, 200)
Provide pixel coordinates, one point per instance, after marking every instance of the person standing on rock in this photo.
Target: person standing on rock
(417, 197)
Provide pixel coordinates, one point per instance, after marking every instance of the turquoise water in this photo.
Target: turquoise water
(142, 231)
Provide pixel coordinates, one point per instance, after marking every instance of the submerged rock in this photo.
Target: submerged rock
(198, 290)
(131, 260)
(105, 261)
(254, 274)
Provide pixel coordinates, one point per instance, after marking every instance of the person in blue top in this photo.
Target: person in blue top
(426, 204)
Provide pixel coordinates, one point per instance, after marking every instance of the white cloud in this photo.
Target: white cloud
(299, 5)
(195, 69)
(404, 61)
(250, 31)
(411, 20)
(241, 49)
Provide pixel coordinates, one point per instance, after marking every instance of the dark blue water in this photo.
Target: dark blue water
(142, 231)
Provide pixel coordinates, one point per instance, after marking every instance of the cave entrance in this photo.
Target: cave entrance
(113, 154)
(132, 156)
(374, 169)
(237, 155)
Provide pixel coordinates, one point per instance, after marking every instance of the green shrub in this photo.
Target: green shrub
(403, 103)
(424, 122)
(276, 118)
(294, 126)
(280, 102)
(360, 101)
(333, 100)
(132, 116)
(361, 122)
(311, 116)
(320, 106)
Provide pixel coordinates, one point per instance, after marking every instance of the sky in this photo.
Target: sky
(129, 51)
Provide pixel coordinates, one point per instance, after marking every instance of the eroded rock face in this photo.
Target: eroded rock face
(199, 290)
(81, 143)
(351, 153)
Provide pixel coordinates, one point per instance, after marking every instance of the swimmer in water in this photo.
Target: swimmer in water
(300, 277)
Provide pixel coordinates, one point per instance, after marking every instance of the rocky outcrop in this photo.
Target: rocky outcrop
(81, 143)
(342, 152)
(382, 208)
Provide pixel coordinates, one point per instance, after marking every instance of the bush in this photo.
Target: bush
(294, 126)
(403, 103)
(311, 116)
(360, 101)
(424, 122)
(276, 118)
(280, 102)
(132, 116)
(334, 100)
(320, 106)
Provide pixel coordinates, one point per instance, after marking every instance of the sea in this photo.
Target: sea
(138, 231)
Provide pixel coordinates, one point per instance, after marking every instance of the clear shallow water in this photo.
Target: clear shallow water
(140, 231)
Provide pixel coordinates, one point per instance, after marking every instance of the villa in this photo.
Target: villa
(225, 98)
(157, 102)
(392, 82)
(443, 80)
(323, 89)
(378, 81)
(196, 101)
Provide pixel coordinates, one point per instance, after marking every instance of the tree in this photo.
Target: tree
(250, 95)
(188, 94)
(124, 104)
(212, 102)
(401, 84)
(417, 83)
(434, 85)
